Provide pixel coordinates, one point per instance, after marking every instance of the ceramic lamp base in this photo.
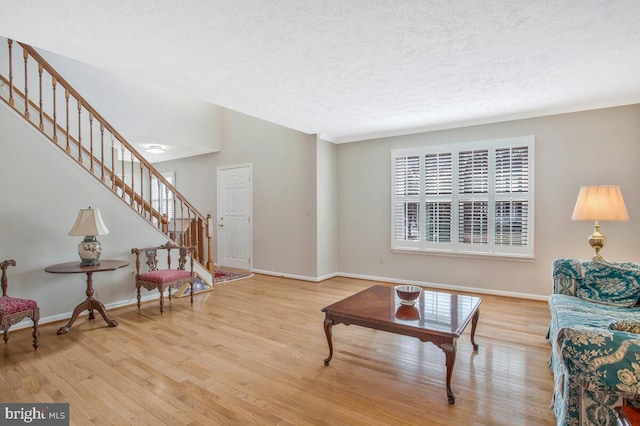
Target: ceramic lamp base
(89, 250)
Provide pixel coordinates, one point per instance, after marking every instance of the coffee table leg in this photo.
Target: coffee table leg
(328, 323)
(474, 324)
(450, 353)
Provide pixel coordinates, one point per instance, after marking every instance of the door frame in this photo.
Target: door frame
(220, 169)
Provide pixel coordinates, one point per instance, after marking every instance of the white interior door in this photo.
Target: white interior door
(234, 228)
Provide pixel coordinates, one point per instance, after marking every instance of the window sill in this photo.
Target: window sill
(468, 255)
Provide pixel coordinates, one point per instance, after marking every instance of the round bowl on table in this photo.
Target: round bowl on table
(408, 294)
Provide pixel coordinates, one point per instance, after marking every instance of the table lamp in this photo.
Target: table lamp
(600, 202)
(89, 224)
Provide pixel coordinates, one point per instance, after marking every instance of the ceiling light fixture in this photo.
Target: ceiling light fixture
(155, 149)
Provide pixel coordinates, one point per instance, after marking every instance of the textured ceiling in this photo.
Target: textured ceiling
(355, 69)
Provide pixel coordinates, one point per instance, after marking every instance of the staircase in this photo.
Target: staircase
(32, 88)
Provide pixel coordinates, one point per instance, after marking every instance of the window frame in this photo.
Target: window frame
(454, 247)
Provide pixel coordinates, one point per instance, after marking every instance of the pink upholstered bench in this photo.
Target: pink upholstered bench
(164, 279)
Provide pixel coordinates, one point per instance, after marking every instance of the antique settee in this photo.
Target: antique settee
(595, 355)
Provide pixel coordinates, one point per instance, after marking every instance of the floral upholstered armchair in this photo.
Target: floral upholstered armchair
(594, 332)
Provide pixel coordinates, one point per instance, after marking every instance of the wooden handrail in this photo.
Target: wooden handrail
(146, 206)
(101, 167)
(38, 58)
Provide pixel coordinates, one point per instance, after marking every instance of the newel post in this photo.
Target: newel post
(209, 237)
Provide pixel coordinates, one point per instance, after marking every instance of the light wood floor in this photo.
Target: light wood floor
(251, 352)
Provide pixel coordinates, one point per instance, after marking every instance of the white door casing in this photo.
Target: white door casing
(234, 227)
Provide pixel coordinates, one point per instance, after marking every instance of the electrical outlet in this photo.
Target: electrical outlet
(381, 258)
(132, 272)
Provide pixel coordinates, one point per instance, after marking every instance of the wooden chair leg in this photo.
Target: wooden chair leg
(192, 291)
(36, 333)
(161, 299)
(138, 286)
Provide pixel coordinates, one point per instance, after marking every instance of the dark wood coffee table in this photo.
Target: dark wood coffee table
(437, 317)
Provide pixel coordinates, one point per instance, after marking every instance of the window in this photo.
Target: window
(474, 198)
(162, 196)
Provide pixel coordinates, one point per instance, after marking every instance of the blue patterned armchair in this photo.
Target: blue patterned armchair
(595, 356)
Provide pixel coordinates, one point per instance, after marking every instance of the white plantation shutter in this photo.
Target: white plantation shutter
(512, 223)
(473, 193)
(473, 172)
(472, 198)
(473, 217)
(406, 198)
(512, 170)
(512, 196)
(407, 221)
(438, 177)
(438, 197)
(438, 222)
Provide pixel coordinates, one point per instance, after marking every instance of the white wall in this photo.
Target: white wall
(194, 177)
(42, 193)
(587, 148)
(327, 178)
(313, 199)
(284, 190)
(143, 113)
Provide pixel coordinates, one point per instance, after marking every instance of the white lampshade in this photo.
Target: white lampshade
(600, 202)
(88, 222)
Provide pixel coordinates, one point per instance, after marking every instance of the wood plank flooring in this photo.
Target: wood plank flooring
(251, 353)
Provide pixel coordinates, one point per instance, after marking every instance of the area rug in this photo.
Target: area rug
(222, 276)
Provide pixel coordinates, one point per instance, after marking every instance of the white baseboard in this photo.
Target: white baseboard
(448, 287)
(27, 323)
(296, 277)
(329, 276)
(400, 281)
(283, 275)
